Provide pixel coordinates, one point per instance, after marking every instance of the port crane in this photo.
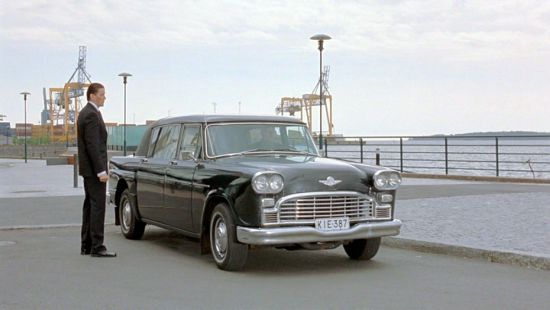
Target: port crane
(305, 104)
(63, 103)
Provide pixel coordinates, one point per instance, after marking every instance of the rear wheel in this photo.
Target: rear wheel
(130, 225)
(226, 251)
(362, 249)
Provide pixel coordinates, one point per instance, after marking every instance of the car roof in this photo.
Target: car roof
(217, 118)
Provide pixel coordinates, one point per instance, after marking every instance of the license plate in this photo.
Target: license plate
(334, 224)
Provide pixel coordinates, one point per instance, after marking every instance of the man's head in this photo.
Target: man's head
(96, 94)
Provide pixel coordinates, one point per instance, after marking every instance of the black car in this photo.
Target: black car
(237, 181)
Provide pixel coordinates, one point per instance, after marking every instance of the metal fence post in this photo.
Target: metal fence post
(326, 148)
(361, 148)
(496, 155)
(401, 152)
(75, 170)
(446, 157)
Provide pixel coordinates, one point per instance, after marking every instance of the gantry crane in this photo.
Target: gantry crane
(291, 105)
(64, 102)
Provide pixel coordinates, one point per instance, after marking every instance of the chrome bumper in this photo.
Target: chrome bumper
(302, 234)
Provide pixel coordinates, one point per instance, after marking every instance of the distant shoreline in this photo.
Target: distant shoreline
(495, 134)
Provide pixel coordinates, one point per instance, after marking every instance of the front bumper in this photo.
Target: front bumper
(303, 234)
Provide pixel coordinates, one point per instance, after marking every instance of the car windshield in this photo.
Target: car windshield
(239, 139)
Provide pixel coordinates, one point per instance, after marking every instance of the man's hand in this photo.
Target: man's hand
(104, 178)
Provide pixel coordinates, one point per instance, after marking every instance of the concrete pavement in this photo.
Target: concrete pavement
(501, 222)
(35, 179)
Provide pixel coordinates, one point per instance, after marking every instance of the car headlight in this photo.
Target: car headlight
(387, 180)
(267, 183)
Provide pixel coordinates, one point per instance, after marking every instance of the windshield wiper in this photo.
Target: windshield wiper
(293, 150)
(252, 151)
(287, 149)
(306, 153)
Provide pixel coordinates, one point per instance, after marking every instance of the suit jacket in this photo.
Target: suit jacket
(92, 142)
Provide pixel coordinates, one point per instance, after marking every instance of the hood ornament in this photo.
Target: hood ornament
(330, 181)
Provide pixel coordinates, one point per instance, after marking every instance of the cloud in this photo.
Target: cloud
(466, 30)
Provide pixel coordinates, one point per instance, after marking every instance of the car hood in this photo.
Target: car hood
(304, 173)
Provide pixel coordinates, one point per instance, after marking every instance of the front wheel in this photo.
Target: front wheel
(362, 249)
(226, 251)
(130, 226)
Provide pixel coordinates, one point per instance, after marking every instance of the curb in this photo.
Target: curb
(522, 259)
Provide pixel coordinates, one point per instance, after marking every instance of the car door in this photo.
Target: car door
(152, 173)
(179, 177)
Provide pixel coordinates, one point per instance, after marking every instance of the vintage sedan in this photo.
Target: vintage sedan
(240, 182)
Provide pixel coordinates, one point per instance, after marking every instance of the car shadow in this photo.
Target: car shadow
(269, 261)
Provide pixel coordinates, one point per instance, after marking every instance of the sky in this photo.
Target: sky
(396, 67)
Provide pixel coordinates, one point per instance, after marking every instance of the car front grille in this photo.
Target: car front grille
(307, 207)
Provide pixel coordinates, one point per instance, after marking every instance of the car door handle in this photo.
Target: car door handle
(173, 163)
(144, 160)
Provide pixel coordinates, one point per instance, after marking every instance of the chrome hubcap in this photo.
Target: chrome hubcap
(126, 216)
(220, 237)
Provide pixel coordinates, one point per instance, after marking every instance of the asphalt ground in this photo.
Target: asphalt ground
(42, 269)
(45, 211)
(500, 217)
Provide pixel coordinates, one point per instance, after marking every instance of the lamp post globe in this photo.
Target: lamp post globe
(320, 38)
(124, 76)
(25, 95)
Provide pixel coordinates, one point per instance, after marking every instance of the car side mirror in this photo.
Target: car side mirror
(188, 155)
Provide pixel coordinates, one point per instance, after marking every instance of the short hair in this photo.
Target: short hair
(93, 89)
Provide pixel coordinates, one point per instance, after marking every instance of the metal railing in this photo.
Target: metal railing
(518, 156)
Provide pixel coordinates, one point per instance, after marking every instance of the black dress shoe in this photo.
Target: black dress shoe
(85, 252)
(103, 253)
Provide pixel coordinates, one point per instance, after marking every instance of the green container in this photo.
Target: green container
(115, 139)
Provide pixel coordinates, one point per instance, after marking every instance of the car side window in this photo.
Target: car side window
(154, 136)
(190, 142)
(167, 142)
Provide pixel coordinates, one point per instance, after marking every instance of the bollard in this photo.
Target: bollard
(377, 156)
(75, 170)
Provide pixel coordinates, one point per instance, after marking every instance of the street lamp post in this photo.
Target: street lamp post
(320, 38)
(25, 94)
(125, 81)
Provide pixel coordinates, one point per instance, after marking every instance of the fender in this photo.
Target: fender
(216, 194)
(125, 180)
(205, 215)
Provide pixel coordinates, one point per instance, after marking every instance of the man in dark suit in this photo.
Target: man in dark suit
(92, 161)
